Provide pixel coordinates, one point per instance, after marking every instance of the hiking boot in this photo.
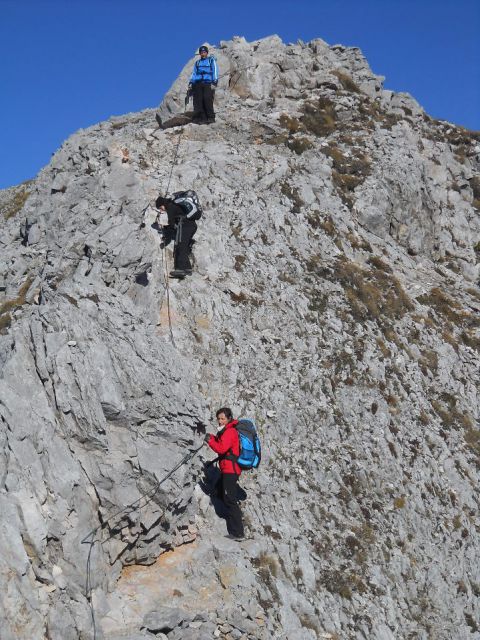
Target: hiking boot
(179, 273)
(159, 121)
(230, 536)
(210, 120)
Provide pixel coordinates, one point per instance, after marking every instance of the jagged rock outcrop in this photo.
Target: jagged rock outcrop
(335, 299)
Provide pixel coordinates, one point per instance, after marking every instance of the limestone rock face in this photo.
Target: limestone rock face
(334, 300)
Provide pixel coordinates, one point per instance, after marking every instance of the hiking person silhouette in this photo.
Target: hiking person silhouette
(182, 212)
(204, 77)
(226, 444)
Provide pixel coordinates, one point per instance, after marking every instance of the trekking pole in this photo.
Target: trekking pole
(167, 289)
(187, 97)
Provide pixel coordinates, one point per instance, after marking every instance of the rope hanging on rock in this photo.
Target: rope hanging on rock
(174, 162)
(172, 166)
(90, 537)
(167, 291)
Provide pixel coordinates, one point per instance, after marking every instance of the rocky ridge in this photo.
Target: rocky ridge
(335, 300)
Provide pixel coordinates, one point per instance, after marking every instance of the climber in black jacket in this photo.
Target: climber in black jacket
(180, 228)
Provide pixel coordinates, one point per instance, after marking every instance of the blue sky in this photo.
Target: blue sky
(67, 64)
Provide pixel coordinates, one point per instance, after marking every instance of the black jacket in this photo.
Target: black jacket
(174, 211)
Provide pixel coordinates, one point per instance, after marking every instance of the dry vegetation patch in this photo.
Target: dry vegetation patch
(470, 339)
(296, 143)
(346, 81)
(370, 112)
(16, 202)
(299, 144)
(13, 303)
(371, 293)
(475, 186)
(461, 140)
(342, 583)
(349, 170)
(10, 304)
(5, 322)
(293, 195)
(472, 440)
(449, 309)
(292, 124)
(445, 406)
(319, 117)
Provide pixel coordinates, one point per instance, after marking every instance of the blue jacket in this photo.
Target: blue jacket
(205, 70)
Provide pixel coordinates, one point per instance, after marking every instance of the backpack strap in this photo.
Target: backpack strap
(201, 72)
(233, 459)
(178, 233)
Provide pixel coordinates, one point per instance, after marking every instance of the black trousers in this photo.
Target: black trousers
(228, 494)
(181, 255)
(203, 101)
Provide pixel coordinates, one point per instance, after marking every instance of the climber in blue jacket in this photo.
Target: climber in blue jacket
(203, 78)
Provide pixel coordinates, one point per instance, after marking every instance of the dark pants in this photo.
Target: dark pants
(203, 101)
(228, 494)
(183, 243)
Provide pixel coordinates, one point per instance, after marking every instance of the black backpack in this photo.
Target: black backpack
(189, 202)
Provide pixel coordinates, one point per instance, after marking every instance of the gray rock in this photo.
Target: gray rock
(334, 300)
(164, 619)
(191, 634)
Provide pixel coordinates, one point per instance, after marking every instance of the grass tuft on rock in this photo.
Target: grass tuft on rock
(16, 203)
(346, 81)
(5, 322)
(472, 440)
(349, 170)
(290, 123)
(299, 145)
(319, 117)
(371, 294)
(293, 195)
(449, 309)
(10, 304)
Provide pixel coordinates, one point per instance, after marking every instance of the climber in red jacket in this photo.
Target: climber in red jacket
(226, 444)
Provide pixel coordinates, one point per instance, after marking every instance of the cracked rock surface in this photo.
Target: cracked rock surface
(335, 300)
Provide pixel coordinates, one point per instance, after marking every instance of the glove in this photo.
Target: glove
(207, 437)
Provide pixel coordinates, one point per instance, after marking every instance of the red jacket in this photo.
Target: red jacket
(227, 441)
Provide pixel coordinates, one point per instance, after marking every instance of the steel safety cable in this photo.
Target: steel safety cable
(90, 537)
